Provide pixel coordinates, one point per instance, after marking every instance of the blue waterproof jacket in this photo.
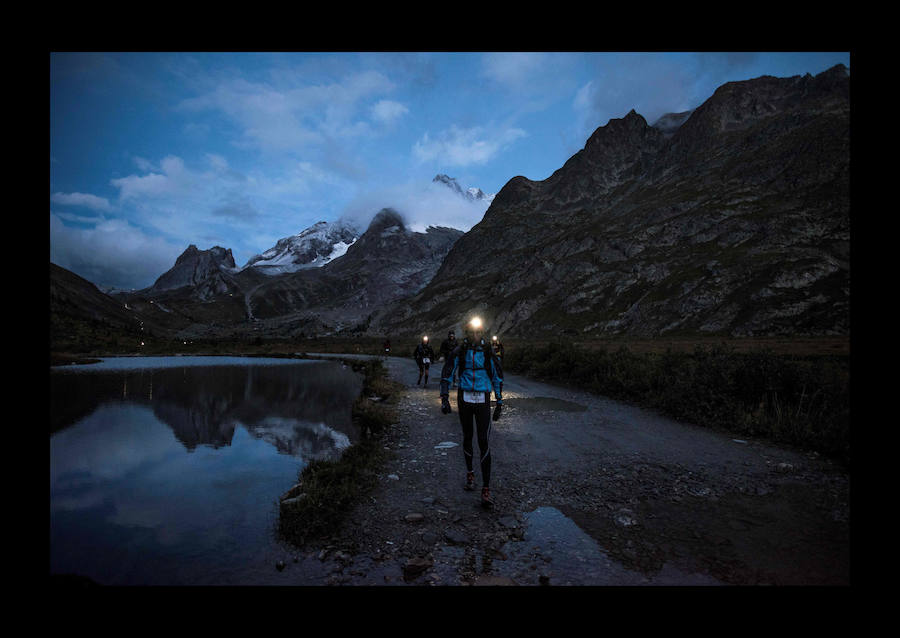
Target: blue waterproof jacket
(479, 369)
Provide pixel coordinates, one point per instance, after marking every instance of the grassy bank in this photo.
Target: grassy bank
(800, 400)
(327, 490)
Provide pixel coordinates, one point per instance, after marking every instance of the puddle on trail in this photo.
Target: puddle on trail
(541, 404)
(555, 550)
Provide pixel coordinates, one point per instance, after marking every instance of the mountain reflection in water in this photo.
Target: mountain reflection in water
(301, 409)
(167, 471)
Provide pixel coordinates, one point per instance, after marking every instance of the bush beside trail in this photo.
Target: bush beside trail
(327, 489)
(797, 400)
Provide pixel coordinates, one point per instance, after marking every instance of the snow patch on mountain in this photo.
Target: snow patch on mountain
(471, 194)
(324, 242)
(314, 247)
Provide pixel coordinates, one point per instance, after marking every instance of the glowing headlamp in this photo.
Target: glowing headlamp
(475, 324)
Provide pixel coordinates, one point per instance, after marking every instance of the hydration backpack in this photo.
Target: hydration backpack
(488, 355)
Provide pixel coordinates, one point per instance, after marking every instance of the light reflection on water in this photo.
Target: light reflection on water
(569, 556)
(169, 473)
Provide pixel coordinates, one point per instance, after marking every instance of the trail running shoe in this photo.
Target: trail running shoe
(486, 501)
(470, 481)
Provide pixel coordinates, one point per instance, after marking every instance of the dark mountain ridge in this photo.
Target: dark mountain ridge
(732, 219)
(736, 224)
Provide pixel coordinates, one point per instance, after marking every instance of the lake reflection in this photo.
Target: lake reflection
(169, 473)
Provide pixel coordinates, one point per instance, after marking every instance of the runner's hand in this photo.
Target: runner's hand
(497, 411)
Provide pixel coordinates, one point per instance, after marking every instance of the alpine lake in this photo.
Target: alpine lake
(168, 470)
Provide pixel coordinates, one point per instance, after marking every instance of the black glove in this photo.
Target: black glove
(445, 405)
(497, 412)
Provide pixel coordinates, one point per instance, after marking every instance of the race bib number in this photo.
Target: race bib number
(473, 397)
(426, 360)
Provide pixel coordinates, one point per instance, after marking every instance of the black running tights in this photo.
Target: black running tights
(480, 413)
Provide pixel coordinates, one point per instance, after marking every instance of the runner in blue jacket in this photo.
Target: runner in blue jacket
(479, 373)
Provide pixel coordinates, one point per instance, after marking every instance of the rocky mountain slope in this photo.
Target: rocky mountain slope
(736, 222)
(81, 314)
(388, 262)
(732, 219)
(204, 273)
(204, 295)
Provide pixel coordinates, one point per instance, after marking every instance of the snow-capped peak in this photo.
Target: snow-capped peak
(472, 194)
(310, 248)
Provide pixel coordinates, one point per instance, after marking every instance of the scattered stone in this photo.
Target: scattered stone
(455, 537)
(445, 445)
(415, 566)
(509, 522)
(415, 517)
(784, 468)
(393, 477)
(430, 537)
(494, 581)
(625, 518)
(428, 500)
(323, 554)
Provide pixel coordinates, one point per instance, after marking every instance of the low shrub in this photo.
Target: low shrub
(802, 401)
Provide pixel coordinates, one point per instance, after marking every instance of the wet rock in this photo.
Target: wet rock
(293, 492)
(494, 581)
(415, 566)
(292, 501)
(509, 522)
(455, 537)
(430, 537)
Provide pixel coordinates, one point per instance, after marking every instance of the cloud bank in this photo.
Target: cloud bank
(420, 205)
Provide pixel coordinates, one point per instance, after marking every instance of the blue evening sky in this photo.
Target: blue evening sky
(152, 152)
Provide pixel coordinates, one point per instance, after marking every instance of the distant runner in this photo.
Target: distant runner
(424, 355)
(447, 346)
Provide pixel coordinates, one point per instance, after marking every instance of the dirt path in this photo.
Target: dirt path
(591, 492)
